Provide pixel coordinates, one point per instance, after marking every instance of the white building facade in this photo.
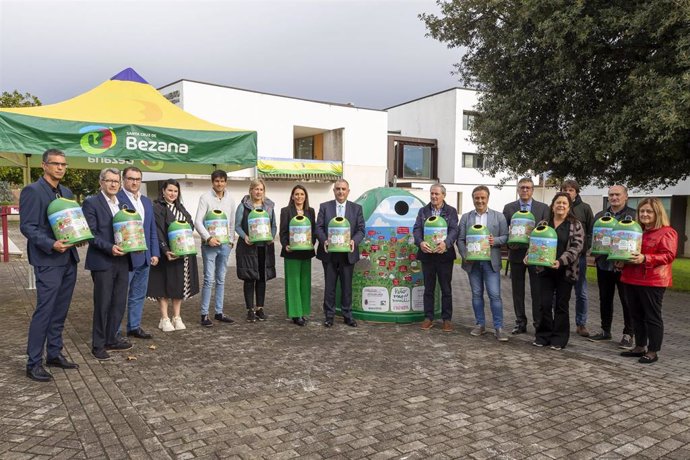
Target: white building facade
(444, 119)
(341, 137)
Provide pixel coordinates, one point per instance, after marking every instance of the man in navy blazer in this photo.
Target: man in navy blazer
(437, 262)
(109, 267)
(339, 265)
(484, 272)
(55, 268)
(131, 197)
(516, 255)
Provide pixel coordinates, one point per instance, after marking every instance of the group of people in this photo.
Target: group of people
(641, 281)
(123, 280)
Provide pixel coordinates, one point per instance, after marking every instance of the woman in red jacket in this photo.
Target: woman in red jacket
(645, 279)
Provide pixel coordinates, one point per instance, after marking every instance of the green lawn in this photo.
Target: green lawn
(681, 275)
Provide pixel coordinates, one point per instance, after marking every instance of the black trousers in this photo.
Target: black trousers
(441, 270)
(554, 324)
(256, 287)
(517, 281)
(338, 268)
(54, 288)
(608, 281)
(109, 302)
(645, 308)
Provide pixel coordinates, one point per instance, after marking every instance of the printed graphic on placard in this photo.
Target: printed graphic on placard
(260, 227)
(418, 298)
(374, 299)
(601, 239)
(181, 241)
(521, 227)
(400, 299)
(478, 247)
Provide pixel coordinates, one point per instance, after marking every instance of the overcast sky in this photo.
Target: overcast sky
(369, 53)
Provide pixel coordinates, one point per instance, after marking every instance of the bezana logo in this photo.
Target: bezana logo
(97, 139)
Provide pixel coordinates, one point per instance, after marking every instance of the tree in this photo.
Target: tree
(82, 182)
(16, 99)
(598, 90)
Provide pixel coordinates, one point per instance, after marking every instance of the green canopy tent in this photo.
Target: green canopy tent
(124, 121)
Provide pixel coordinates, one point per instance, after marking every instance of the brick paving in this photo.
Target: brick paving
(275, 390)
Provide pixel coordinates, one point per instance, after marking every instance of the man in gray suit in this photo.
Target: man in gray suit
(485, 273)
(516, 255)
(339, 265)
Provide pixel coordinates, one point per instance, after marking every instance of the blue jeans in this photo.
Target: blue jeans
(581, 294)
(215, 264)
(138, 283)
(482, 274)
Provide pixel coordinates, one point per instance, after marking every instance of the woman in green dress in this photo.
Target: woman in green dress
(297, 262)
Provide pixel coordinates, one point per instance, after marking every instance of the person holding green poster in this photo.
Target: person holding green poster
(297, 261)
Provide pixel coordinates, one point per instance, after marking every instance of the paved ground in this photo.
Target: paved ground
(274, 390)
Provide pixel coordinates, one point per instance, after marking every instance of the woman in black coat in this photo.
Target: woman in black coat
(297, 262)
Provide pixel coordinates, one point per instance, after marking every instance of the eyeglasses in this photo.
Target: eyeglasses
(133, 179)
(525, 188)
(111, 181)
(56, 163)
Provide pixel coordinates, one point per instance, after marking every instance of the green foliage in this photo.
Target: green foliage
(16, 99)
(5, 193)
(681, 275)
(595, 90)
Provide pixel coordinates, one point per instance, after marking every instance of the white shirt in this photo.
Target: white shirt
(482, 219)
(114, 204)
(340, 209)
(136, 201)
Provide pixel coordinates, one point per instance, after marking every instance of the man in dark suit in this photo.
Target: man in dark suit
(109, 267)
(339, 265)
(131, 197)
(516, 255)
(437, 262)
(55, 268)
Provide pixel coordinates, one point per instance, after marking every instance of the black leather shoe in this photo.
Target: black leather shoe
(519, 330)
(61, 362)
(350, 322)
(119, 346)
(100, 354)
(38, 373)
(299, 322)
(328, 323)
(139, 333)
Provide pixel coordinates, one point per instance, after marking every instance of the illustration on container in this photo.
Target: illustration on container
(435, 231)
(67, 221)
(181, 239)
(259, 223)
(478, 246)
(128, 229)
(601, 234)
(216, 223)
(300, 237)
(521, 226)
(626, 240)
(542, 246)
(339, 235)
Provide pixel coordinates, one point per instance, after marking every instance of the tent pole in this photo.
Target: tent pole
(26, 170)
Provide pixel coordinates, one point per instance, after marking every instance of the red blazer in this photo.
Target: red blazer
(659, 247)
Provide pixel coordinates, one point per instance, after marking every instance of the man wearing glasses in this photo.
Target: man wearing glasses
(109, 267)
(55, 267)
(516, 255)
(130, 196)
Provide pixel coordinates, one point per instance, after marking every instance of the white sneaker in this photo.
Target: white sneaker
(165, 325)
(178, 324)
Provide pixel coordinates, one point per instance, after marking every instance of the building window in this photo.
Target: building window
(468, 120)
(473, 160)
(304, 148)
(416, 161)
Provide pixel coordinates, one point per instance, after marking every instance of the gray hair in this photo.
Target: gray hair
(441, 186)
(105, 171)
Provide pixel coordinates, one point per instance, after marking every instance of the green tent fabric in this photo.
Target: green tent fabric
(124, 121)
